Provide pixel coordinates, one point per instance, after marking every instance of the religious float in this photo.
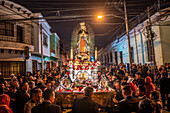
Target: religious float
(82, 71)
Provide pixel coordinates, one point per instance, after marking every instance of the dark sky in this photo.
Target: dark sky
(106, 29)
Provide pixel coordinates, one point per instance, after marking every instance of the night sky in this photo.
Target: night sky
(105, 29)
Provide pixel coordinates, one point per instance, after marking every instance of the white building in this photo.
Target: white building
(34, 63)
(117, 51)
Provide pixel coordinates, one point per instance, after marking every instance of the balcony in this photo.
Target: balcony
(7, 42)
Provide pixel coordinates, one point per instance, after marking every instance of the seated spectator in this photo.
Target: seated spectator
(47, 106)
(146, 106)
(85, 104)
(155, 98)
(128, 104)
(36, 99)
(4, 100)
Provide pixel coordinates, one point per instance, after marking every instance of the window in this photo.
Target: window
(107, 58)
(6, 28)
(19, 34)
(57, 49)
(7, 68)
(111, 59)
(45, 41)
(132, 54)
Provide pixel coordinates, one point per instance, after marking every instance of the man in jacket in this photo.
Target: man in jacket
(36, 99)
(128, 104)
(85, 104)
(47, 106)
(165, 90)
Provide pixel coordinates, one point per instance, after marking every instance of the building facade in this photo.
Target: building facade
(34, 62)
(17, 31)
(53, 60)
(14, 37)
(117, 51)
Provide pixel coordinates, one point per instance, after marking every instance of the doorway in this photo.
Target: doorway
(121, 57)
(115, 55)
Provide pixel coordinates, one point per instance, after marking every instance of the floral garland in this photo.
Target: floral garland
(90, 65)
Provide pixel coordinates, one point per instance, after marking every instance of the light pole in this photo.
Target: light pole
(42, 60)
(127, 32)
(150, 38)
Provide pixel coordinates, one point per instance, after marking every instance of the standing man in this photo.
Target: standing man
(128, 104)
(165, 89)
(47, 106)
(22, 97)
(118, 90)
(36, 99)
(85, 104)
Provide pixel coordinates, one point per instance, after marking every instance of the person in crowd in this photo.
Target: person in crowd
(53, 84)
(146, 106)
(134, 69)
(128, 104)
(139, 79)
(57, 78)
(36, 99)
(155, 98)
(19, 77)
(123, 84)
(141, 93)
(118, 90)
(31, 86)
(4, 100)
(165, 89)
(13, 77)
(22, 97)
(134, 87)
(130, 78)
(149, 86)
(11, 94)
(47, 106)
(16, 83)
(48, 84)
(99, 75)
(151, 75)
(85, 104)
(30, 78)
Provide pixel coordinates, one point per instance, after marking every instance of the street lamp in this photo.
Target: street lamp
(100, 16)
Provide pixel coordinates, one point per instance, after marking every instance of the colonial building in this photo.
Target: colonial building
(53, 60)
(117, 51)
(34, 62)
(14, 37)
(18, 31)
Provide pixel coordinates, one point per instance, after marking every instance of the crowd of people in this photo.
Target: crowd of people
(138, 90)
